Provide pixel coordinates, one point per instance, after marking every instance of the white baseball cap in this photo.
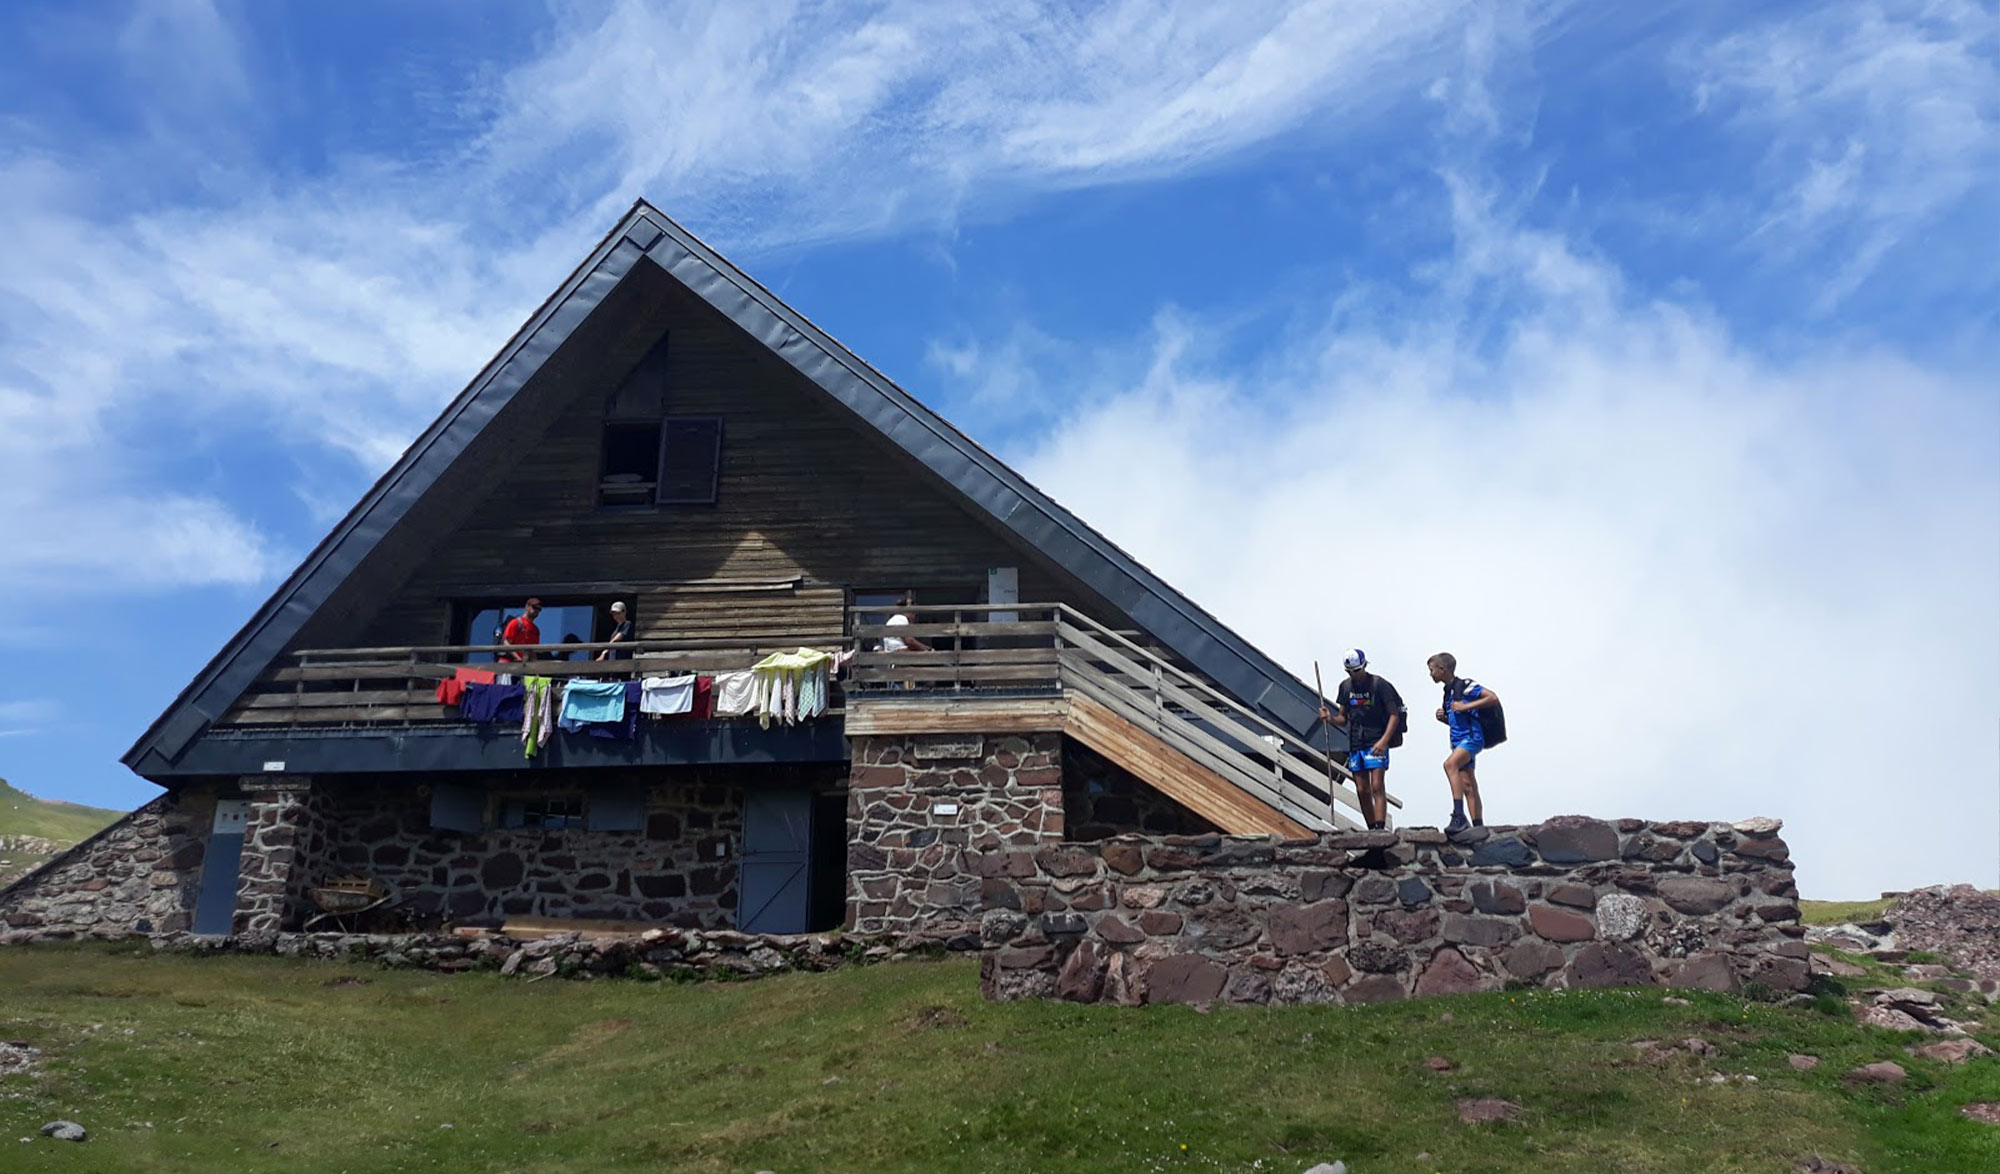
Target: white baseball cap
(1355, 659)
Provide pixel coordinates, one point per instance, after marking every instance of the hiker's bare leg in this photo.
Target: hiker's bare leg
(1378, 798)
(1454, 763)
(1470, 785)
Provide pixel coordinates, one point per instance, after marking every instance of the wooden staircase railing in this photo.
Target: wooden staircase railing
(1053, 648)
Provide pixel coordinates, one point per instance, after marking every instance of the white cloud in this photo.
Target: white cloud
(337, 314)
(1708, 583)
(1874, 118)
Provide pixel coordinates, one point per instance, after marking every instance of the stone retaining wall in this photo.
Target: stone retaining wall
(138, 876)
(680, 868)
(932, 817)
(1368, 916)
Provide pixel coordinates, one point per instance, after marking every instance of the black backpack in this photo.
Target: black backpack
(1492, 720)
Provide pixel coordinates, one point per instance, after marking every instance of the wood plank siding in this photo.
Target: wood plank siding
(810, 503)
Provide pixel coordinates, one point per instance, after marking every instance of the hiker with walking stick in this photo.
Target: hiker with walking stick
(1372, 713)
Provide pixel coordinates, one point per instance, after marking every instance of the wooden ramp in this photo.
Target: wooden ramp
(1172, 773)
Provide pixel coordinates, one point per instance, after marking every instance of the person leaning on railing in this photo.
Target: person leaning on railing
(621, 633)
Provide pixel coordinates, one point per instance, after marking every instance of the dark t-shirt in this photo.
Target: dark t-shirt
(1368, 706)
(622, 632)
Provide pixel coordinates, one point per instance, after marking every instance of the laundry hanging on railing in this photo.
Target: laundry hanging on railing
(667, 695)
(626, 728)
(791, 686)
(586, 701)
(735, 693)
(493, 704)
(538, 715)
(451, 691)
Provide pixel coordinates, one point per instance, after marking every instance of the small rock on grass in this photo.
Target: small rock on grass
(1329, 1168)
(1438, 1064)
(1677, 1001)
(1803, 1063)
(1819, 1165)
(1986, 1112)
(1952, 1051)
(1484, 1109)
(65, 1131)
(1881, 1072)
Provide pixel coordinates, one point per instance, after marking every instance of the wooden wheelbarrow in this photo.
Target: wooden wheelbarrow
(346, 897)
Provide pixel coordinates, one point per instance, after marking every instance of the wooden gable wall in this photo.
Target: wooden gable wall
(806, 493)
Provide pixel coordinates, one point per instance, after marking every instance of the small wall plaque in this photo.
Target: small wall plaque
(949, 746)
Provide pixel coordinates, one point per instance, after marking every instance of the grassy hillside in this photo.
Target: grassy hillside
(21, 814)
(1842, 912)
(206, 1063)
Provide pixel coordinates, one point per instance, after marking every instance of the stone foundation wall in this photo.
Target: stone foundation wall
(934, 822)
(1102, 799)
(139, 876)
(1369, 916)
(284, 837)
(681, 869)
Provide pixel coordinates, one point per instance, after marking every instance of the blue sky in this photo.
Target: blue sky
(1644, 359)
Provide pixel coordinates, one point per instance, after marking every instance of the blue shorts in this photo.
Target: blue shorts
(1365, 758)
(1472, 747)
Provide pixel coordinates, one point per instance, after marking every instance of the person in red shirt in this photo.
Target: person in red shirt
(522, 630)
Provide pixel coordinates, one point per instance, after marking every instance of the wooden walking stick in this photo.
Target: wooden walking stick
(1326, 728)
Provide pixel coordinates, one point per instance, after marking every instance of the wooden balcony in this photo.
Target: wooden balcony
(373, 688)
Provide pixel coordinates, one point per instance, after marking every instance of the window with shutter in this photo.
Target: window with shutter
(630, 457)
(690, 460)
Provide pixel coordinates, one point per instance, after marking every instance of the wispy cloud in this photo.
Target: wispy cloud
(336, 312)
(21, 718)
(1874, 118)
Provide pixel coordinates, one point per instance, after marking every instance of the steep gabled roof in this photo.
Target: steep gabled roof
(645, 236)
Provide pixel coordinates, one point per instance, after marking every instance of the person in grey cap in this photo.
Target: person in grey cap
(621, 632)
(1372, 713)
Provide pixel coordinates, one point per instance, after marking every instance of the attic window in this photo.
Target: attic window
(629, 472)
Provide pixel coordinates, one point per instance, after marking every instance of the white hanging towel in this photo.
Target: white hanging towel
(735, 693)
(666, 694)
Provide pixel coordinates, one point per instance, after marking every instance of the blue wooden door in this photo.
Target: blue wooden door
(215, 909)
(773, 895)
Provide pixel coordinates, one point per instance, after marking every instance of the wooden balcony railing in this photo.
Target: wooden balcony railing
(372, 687)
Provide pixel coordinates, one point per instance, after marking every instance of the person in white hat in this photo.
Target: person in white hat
(1372, 713)
(621, 632)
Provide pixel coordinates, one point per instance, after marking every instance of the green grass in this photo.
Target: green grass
(21, 814)
(203, 1063)
(1842, 912)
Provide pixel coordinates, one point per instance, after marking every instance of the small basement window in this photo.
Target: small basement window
(541, 811)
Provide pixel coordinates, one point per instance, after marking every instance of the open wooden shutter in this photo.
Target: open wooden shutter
(690, 459)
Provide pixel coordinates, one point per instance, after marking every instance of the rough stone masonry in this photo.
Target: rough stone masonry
(1362, 917)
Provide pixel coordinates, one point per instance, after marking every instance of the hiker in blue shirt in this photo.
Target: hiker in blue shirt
(1462, 698)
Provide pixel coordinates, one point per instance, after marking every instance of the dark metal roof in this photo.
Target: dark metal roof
(647, 235)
